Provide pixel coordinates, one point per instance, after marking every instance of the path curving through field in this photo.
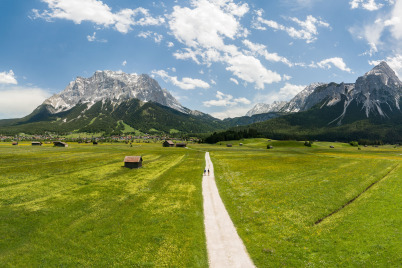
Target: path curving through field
(225, 247)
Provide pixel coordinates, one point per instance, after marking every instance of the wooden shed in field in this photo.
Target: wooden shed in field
(60, 144)
(240, 144)
(228, 145)
(95, 143)
(133, 162)
(15, 143)
(181, 144)
(36, 143)
(168, 144)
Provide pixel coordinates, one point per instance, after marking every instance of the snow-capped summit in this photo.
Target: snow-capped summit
(114, 86)
(262, 108)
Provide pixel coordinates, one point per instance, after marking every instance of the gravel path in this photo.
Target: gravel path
(225, 247)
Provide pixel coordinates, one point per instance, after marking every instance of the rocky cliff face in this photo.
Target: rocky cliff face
(262, 108)
(113, 86)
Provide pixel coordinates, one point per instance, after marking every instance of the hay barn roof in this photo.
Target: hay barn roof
(132, 159)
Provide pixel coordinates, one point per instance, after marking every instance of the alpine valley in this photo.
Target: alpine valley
(116, 103)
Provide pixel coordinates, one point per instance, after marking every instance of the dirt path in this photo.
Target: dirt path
(225, 247)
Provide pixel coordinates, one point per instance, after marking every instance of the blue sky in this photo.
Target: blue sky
(217, 56)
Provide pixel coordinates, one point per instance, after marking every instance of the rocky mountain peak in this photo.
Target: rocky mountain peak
(114, 86)
(381, 74)
(261, 108)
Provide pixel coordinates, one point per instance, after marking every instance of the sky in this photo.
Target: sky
(217, 56)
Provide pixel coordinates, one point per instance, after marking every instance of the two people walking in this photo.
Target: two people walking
(205, 171)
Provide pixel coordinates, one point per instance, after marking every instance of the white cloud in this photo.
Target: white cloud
(308, 28)
(262, 50)
(124, 63)
(157, 37)
(251, 70)
(287, 92)
(373, 32)
(92, 38)
(170, 44)
(231, 112)
(370, 5)
(225, 100)
(17, 102)
(328, 63)
(8, 78)
(207, 28)
(395, 62)
(186, 83)
(97, 12)
(234, 80)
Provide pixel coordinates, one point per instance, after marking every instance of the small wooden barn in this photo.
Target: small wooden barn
(36, 143)
(15, 143)
(168, 144)
(95, 143)
(240, 144)
(133, 162)
(181, 144)
(60, 144)
(229, 145)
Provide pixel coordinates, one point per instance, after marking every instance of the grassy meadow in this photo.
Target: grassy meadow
(275, 197)
(78, 206)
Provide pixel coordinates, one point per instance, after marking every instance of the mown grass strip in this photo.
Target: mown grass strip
(356, 197)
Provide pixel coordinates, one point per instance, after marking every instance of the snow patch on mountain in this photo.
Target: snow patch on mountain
(114, 86)
(262, 108)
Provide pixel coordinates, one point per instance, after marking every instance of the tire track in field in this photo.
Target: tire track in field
(225, 247)
(356, 197)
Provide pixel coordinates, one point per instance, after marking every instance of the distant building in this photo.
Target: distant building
(15, 143)
(95, 143)
(36, 143)
(331, 147)
(270, 147)
(228, 145)
(181, 144)
(240, 144)
(133, 162)
(60, 144)
(168, 144)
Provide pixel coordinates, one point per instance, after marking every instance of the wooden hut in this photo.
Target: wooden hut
(168, 144)
(181, 144)
(270, 147)
(60, 144)
(332, 147)
(228, 145)
(15, 143)
(133, 162)
(240, 144)
(36, 143)
(95, 143)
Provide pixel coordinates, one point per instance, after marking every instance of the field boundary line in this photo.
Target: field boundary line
(357, 196)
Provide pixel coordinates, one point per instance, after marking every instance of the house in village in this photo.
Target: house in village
(133, 162)
(60, 144)
(181, 144)
(15, 143)
(168, 144)
(229, 145)
(95, 143)
(36, 143)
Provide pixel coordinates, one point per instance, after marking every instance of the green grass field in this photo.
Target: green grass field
(275, 197)
(78, 206)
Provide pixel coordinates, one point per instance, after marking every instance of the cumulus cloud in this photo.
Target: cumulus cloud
(329, 63)
(395, 62)
(307, 29)
(186, 83)
(234, 81)
(261, 50)
(8, 78)
(92, 38)
(374, 32)
(370, 5)
(97, 12)
(157, 37)
(225, 100)
(124, 63)
(287, 92)
(207, 28)
(17, 102)
(231, 112)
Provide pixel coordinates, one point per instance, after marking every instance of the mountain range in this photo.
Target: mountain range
(116, 102)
